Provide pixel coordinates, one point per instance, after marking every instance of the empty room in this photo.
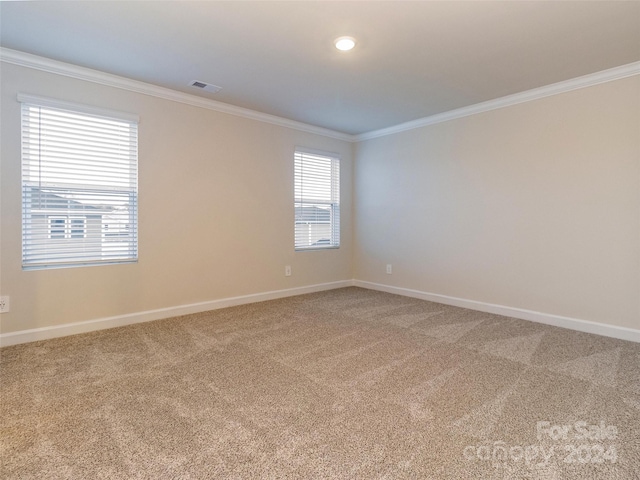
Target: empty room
(320, 240)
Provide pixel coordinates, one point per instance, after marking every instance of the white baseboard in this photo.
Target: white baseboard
(45, 333)
(606, 330)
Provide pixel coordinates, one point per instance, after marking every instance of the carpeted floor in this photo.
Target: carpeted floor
(348, 383)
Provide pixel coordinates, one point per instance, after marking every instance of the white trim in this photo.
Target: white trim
(16, 57)
(313, 151)
(609, 75)
(77, 107)
(54, 331)
(22, 59)
(586, 326)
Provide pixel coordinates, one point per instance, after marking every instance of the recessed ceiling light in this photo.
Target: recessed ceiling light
(345, 43)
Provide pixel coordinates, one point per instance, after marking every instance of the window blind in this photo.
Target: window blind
(79, 187)
(317, 200)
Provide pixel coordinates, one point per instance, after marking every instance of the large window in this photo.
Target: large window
(79, 185)
(317, 200)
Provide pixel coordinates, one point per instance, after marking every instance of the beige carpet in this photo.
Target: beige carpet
(349, 383)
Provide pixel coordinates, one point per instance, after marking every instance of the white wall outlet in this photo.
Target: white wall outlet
(287, 271)
(389, 270)
(4, 304)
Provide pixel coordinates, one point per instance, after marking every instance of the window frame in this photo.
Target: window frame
(78, 202)
(331, 202)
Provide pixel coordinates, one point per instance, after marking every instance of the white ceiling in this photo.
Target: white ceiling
(413, 59)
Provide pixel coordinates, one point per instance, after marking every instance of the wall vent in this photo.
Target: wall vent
(205, 86)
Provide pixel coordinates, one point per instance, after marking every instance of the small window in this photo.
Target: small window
(57, 228)
(77, 228)
(317, 200)
(65, 227)
(79, 178)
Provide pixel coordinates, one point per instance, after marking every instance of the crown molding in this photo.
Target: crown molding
(603, 76)
(36, 62)
(53, 66)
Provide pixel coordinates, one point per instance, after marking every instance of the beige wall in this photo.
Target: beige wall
(215, 211)
(534, 206)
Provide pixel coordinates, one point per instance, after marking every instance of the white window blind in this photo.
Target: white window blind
(79, 186)
(317, 200)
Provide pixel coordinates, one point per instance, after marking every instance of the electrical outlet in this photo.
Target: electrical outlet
(287, 271)
(389, 270)
(4, 304)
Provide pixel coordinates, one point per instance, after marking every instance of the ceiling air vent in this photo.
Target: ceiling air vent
(205, 86)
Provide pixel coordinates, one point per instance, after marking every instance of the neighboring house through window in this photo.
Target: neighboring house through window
(317, 200)
(79, 181)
